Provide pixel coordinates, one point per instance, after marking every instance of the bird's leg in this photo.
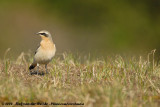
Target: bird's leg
(46, 69)
(37, 68)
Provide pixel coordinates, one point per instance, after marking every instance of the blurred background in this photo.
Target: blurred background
(81, 26)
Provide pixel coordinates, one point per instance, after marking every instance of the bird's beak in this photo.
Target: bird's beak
(38, 34)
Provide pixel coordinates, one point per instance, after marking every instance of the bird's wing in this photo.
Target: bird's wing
(37, 48)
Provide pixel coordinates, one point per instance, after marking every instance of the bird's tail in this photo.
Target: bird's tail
(32, 66)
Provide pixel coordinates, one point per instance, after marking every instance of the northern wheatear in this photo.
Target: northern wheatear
(45, 51)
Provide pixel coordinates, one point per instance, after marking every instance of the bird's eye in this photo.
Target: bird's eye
(44, 34)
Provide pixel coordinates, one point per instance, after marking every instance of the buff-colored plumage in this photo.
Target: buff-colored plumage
(45, 52)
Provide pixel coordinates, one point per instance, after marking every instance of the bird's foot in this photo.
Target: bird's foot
(36, 73)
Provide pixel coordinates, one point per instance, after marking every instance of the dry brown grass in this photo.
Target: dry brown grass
(114, 82)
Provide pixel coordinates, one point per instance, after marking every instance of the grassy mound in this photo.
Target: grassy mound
(114, 82)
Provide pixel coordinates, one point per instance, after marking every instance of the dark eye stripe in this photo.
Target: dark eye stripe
(44, 34)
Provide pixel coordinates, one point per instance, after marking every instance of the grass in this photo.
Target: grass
(112, 81)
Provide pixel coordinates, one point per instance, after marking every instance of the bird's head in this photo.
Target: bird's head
(44, 34)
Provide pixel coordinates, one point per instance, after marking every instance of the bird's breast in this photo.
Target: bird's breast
(46, 52)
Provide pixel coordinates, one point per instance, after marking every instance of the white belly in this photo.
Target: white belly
(44, 56)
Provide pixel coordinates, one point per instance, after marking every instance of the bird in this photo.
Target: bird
(45, 51)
